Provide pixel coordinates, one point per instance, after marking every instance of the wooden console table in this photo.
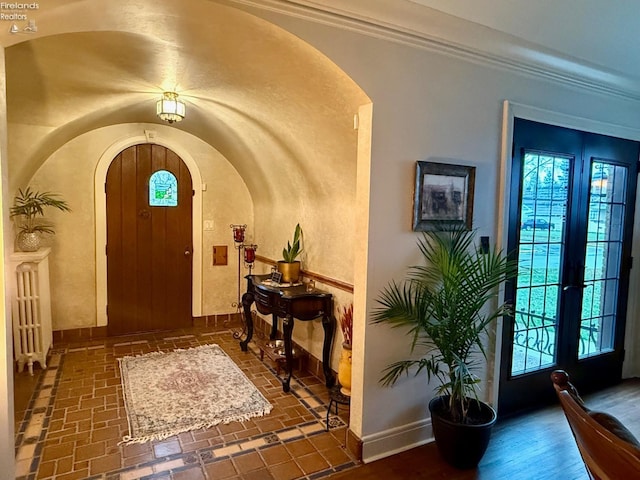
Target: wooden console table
(290, 303)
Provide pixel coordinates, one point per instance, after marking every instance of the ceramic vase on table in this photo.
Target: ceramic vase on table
(290, 271)
(344, 370)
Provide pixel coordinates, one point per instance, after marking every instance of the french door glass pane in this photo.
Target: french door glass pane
(603, 257)
(545, 182)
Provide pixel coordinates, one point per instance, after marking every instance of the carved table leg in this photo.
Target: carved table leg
(274, 327)
(287, 325)
(328, 323)
(247, 301)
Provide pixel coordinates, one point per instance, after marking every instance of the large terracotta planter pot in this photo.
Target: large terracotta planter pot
(462, 445)
(290, 271)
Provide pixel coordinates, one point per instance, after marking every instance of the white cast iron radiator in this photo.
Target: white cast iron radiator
(32, 334)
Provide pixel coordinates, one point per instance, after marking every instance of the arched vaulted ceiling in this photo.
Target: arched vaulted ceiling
(266, 100)
(251, 87)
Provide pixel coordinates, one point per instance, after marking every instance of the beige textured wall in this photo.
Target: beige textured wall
(7, 451)
(70, 171)
(225, 201)
(279, 110)
(426, 106)
(322, 200)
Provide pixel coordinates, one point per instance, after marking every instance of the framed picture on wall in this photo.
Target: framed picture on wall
(443, 196)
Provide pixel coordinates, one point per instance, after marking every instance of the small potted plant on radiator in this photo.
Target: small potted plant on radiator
(29, 206)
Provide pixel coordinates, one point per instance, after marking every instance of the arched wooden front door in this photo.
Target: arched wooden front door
(149, 241)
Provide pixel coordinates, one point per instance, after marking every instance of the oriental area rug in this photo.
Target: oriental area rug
(169, 393)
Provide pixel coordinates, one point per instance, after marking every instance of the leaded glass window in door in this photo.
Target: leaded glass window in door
(605, 229)
(163, 189)
(543, 212)
(570, 229)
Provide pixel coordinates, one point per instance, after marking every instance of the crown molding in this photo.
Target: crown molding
(418, 26)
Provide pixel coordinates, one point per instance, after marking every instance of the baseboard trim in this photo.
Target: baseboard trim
(353, 444)
(396, 440)
(80, 334)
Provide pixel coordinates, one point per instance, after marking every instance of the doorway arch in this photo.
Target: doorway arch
(216, 120)
(100, 208)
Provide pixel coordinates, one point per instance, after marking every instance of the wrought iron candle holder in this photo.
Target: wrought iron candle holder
(238, 234)
(238, 239)
(249, 255)
(246, 252)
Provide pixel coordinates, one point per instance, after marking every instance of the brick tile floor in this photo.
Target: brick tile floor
(70, 419)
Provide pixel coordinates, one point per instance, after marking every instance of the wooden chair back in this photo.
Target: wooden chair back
(605, 454)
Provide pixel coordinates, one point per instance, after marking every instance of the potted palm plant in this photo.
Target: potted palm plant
(289, 266)
(446, 307)
(29, 206)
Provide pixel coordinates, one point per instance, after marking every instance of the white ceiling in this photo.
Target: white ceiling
(588, 42)
(604, 33)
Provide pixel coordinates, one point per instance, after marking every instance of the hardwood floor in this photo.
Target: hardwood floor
(536, 446)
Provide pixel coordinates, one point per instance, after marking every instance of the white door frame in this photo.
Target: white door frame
(511, 110)
(100, 195)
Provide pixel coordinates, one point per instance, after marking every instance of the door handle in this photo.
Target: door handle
(576, 274)
(187, 252)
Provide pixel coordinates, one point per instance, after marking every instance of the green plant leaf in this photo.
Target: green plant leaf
(445, 306)
(292, 250)
(29, 204)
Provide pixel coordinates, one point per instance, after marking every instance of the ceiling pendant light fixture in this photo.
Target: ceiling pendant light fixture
(169, 108)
